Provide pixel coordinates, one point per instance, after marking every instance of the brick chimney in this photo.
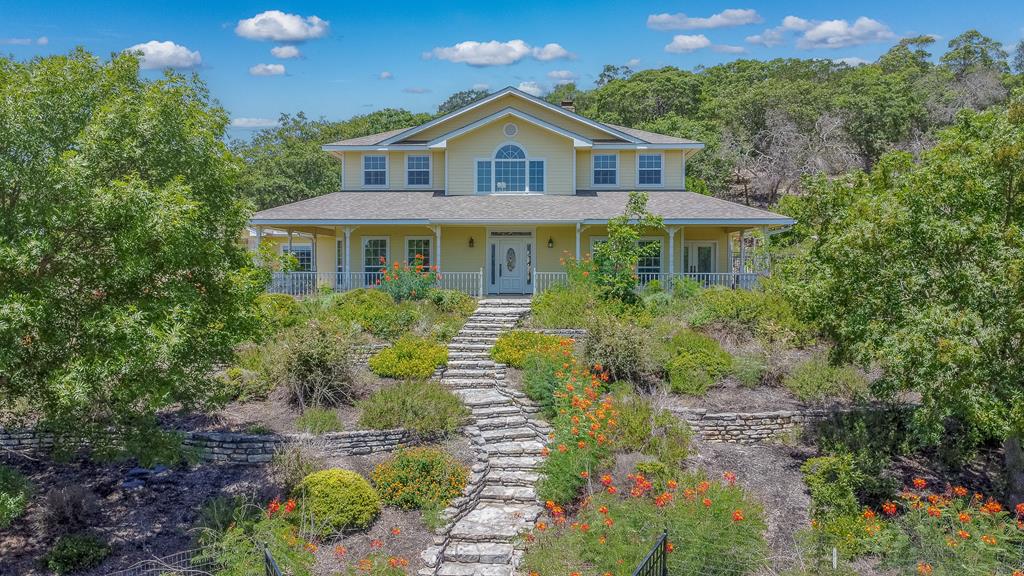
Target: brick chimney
(569, 105)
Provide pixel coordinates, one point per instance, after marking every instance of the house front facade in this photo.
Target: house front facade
(497, 194)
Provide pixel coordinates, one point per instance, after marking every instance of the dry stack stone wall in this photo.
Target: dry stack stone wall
(749, 428)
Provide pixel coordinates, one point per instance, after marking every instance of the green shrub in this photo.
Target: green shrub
(422, 407)
(408, 281)
(318, 421)
(293, 461)
(513, 347)
(420, 478)
(15, 491)
(452, 302)
(338, 500)
(651, 431)
(236, 549)
(219, 514)
(315, 364)
(278, 311)
(410, 357)
(374, 312)
(540, 380)
(624, 349)
(832, 482)
(706, 539)
(565, 305)
(747, 313)
(816, 380)
(749, 369)
(697, 361)
(75, 552)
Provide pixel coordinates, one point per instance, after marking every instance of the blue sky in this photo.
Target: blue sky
(336, 59)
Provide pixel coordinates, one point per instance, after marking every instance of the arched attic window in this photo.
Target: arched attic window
(510, 171)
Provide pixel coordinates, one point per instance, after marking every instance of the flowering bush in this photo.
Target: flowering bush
(337, 499)
(513, 347)
(407, 281)
(713, 529)
(420, 478)
(410, 357)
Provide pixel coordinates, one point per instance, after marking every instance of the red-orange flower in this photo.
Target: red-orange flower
(1020, 509)
(934, 512)
(924, 568)
(959, 491)
(273, 507)
(730, 478)
(340, 551)
(963, 534)
(289, 506)
(737, 516)
(920, 483)
(889, 508)
(376, 544)
(396, 531)
(989, 539)
(869, 514)
(606, 480)
(964, 517)
(707, 502)
(584, 474)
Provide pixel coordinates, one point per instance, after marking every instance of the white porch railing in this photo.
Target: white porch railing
(544, 280)
(304, 284)
(745, 281)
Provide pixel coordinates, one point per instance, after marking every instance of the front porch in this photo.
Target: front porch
(505, 258)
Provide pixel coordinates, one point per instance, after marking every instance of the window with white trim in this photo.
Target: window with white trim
(510, 171)
(303, 253)
(650, 265)
(375, 170)
(606, 169)
(536, 175)
(649, 169)
(418, 246)
(417, 170)
(483, 175)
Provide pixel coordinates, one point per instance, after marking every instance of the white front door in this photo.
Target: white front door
(512, 266)
(700, 257)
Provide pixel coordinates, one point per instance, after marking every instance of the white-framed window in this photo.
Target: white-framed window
(649, 266)
(303, 253)
(376, 254)
(419, 246)
(605, 169)
(510, 170)
(339, 252)
(417, 170)
(375, 170)
(649, 169)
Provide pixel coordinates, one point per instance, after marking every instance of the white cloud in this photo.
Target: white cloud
(385, 75)
(481, 86)
(267, 70)
(728, 49)
(840, 34)
(683, 43)
(415, 90)
(41, 41)
(633, 62)
(850, 61)
(562, 76)
(531, 88)
(253, 123)
(724, 19)
(285, 52)
(777, 35)
(156, 54)
(496, 53)
(796, 23)
(281, 27)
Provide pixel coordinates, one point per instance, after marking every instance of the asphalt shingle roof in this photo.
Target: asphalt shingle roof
(433, 206)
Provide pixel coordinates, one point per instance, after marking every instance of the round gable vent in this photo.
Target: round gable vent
(511, 129)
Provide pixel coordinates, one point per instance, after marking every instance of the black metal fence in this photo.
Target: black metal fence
(656, 561)
(269, 565)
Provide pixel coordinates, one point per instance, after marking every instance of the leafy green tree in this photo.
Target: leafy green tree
(611, 72)
(460, 99)
(645, 96)
(972, 49)
(908, 55)
(879, 110)
(1018, 58)
(122, 276)
(920, 269)
(616, 258)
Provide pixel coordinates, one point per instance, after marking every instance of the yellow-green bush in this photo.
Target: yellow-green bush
(423, 407)
(410, 357)
(338, 500)
(513, 347)
(419, 478)
(278, 310)
(14, 494)
(746, 313)
(649, 430)
(373, 311)
(816, 380)
(697, 361)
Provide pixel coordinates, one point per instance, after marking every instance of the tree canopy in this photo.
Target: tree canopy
(122, 278)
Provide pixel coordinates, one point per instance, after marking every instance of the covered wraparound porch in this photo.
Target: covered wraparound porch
(501, 258)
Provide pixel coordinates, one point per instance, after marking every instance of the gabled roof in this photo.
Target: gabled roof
(433, 207)
(577, 139)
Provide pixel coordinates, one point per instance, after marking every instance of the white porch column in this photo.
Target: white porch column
(314, 253)
(728, 252)
(682, 248)
(346, 264)
(743, 251)
(671, 252)
(437, 234)
(578, 225)
(765, 261)
(259, 239)
(289, 241)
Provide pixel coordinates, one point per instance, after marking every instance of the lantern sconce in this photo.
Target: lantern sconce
(471, 242)
(551, 242)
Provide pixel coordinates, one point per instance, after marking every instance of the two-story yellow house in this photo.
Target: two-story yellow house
(497, 193)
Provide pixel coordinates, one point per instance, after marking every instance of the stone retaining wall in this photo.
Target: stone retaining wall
(237, 448)
(574, 333)
(749, 428)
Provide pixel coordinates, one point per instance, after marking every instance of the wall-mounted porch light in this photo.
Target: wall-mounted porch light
(471, 242)
(551, 242)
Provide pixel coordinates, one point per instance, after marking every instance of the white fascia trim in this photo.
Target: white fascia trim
(370, 147)
(334, 222)
(510, 90)
(506, 222)
(578, 141)
(679, 146)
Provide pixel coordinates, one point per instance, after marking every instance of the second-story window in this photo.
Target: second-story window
(417, 170)
(510, 171)
(649, 169)
(375, 170)
(606, 169)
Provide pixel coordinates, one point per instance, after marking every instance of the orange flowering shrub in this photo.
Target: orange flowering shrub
(407, 281)
(713, 529)
(420, 478)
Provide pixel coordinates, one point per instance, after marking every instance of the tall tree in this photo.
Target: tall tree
(611, 72)
(920, 269)
(460, 99)
(971, 50)
(122, 278)
(1018, 58)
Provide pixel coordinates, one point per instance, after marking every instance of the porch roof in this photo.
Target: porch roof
(433, 207)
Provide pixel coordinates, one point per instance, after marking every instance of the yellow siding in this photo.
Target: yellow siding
(539, 143)
(672, 174)
(564, 237)
(520, 104)
(352, 163)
